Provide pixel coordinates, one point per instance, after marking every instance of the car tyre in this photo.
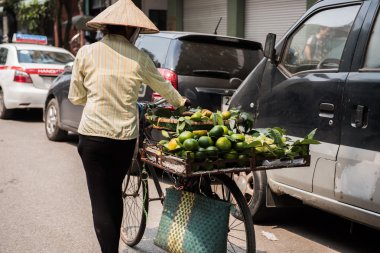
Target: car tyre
(4, 112)
(253, 186)
(52, 120)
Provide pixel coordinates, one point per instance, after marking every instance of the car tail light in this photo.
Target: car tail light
(170, 76)
(22, 77)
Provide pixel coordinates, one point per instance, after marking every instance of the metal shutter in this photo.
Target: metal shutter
(203, 16)
(262, 17)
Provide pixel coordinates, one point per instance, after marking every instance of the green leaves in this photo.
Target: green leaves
(234, 113)
(247, 120)
(217, 118)
(309, 141)
(254, 144)
(268, 142)
(232, 123)
(311, 134)
(32, 14)
(301, 147)
(276, 134)
(271, 142)
(165, 134)
(181, 125)
(179, 111)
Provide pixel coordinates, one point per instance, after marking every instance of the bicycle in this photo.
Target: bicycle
(241, 236)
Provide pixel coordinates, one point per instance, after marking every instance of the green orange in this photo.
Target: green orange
(190, 144)
(226, 115)
(200, 155)
(243, 160)
(240, 146)
(225, 130)
(205, 141)
(216, 131)
(232, 154)
(188, 155)
(212, 152)
(238, 137)
(223, 144)
(196, 116)
(185, 135)
(199, 133)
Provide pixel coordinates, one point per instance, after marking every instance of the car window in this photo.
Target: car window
(373, 57)
(319, 42)
(156, 48)
(3, 55)
(43, 57)
(213, 59)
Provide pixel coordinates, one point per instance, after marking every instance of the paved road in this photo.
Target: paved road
(44, 204)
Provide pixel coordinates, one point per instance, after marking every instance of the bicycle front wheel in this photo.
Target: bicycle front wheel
(136, 203)
(241, 235)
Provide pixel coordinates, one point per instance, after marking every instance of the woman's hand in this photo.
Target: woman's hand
(187, 101)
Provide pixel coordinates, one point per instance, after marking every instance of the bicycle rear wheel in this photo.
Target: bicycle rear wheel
(136, 204)
(241, 235)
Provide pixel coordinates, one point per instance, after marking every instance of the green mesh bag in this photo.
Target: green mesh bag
(192, 223)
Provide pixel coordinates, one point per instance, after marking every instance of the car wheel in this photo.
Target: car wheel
(53, 132)
(253, 186)
(4, 112)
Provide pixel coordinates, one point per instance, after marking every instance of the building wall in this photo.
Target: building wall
(263, 17)
(203, 16)
(156, 10)
(176, 12)
(146, 5)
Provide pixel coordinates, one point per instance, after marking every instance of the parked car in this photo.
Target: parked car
(338, 95)
(26, 72)
(205, 68)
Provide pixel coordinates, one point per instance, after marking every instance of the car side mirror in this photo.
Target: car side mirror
(269, 49)
(68, 67)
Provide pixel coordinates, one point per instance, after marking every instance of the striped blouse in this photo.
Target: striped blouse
(106, 78)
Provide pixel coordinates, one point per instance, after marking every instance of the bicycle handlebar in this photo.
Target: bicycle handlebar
(151, 104)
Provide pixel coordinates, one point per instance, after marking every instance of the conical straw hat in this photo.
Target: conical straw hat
(123, 12)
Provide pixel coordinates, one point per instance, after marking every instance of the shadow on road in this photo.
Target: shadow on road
(36, 115)
(327, 229)
(27, 115)
(146, 244)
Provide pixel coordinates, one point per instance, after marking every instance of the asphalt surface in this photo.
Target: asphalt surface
(44, 204)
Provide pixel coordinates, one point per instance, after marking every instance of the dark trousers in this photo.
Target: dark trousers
(106, 162)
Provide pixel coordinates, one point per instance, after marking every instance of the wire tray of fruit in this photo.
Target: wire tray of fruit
(188, 167)
(226, 149)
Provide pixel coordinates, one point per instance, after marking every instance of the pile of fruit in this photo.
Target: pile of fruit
(230, 138)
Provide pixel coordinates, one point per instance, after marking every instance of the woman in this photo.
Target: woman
(106, 78)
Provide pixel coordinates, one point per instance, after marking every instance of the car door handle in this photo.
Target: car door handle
(359, 116)
(326, 110)
(219, 91)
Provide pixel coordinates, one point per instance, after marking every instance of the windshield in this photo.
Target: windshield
(43, 57)
(215, 60)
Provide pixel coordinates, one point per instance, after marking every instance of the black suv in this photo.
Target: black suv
(205, 68)
(324, 73)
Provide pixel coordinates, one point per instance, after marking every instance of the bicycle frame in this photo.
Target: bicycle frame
(207, 185)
